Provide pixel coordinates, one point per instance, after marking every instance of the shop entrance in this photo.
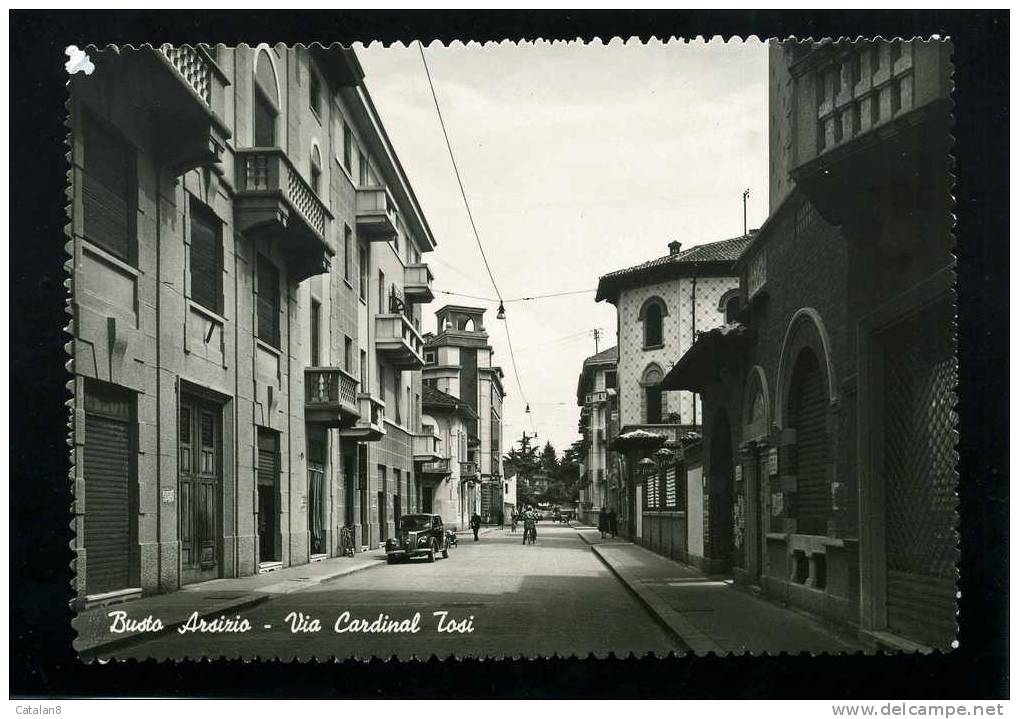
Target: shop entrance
(200, 486)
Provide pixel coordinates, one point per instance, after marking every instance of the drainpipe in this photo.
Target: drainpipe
(693, 333)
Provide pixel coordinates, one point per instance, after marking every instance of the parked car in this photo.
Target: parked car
(420, 535)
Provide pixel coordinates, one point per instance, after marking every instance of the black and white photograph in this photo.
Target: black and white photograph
(594, 348)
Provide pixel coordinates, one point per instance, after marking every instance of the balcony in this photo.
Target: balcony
(674, 434)
(181, 89)
(598, 397)
(426, 447)
(370, 426)
(469, 470)
(441, 467)
(398, 341)
(417, 283)
(273, 200)
(330, 397)
(376, 214)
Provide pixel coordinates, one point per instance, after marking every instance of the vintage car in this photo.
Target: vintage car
(420, 535)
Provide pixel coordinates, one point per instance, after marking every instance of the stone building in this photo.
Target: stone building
(227, 210)
(447, 485)
(661, 305)
(599, 422)
(828, 453)
(458, 361)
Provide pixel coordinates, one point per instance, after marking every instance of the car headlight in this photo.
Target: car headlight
(423, 541)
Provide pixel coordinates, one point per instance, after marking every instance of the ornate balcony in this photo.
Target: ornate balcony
(330, 397)
(182, 89)
(376, 214)
(598, 397)
(441, 467)
(370, 426)
(417, 283)
(399, 342)
(273, 199)
(426, 447)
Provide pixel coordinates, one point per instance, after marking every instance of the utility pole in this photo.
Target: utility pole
(597, 336)
(746, 194)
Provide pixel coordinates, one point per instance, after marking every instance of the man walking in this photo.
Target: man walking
(475, 525)
(613, 523)
(603, 522)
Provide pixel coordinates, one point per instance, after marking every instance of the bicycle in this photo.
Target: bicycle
(346, 541)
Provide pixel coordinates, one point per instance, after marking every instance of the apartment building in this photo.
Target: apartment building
(245, 381)
(829, 446)
(661, 305)
(449, 484)
(458, 361)
(597, 397)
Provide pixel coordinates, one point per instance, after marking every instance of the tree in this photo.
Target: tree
(523, 461)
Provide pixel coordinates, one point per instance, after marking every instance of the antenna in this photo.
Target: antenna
(746, 194)
(597, 336)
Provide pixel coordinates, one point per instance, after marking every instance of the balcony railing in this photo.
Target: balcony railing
(272, 196)
(376, 214)
(398, 340)
(426, 447)
(370, 425)
(596, 397)
(194, 68)
(330, 397)
(469, 470)
(439, 466)
(417, 283)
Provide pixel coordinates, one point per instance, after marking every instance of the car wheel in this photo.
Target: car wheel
(390, 560)
(431, 553)
(445, 551)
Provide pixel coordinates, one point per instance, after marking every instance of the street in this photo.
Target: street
(552, 597)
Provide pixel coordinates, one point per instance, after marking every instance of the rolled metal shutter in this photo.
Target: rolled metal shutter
(107, 465)
(813, 493)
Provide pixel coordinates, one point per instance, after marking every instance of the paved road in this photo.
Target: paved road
(552, 597)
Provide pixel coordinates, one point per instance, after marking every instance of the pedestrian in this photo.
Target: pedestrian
(475, 525)
(513, 521)
(603, 522)
(613, 523)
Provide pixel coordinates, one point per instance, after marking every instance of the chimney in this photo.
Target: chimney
(674, 247)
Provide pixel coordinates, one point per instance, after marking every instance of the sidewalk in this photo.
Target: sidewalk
(210, 599)
(710, 615)
(213, 598)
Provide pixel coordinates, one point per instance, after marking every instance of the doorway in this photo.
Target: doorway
(317, 520)
(720, 504)
(200, 486)
(269, 549)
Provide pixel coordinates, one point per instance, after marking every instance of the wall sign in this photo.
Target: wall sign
(168, 495)
(773, 461)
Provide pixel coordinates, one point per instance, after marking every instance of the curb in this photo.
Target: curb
(94, 652)
(688, 636)
(249, 601)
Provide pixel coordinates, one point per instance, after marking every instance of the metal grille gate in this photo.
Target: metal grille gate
(919, 474)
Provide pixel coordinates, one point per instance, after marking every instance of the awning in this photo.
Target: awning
(716, 348)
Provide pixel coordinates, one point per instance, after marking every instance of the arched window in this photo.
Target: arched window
(807, 415)
(652, 395)
(266, 101)
(316, 170)
(652, 314)
(729, 305)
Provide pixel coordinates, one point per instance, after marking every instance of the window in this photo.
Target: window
(896, 50)
(732, 309)
(362, 170)
(347, 239)
(397, 414)
(316, 171)
(348, 355)
(316, 330)
(652, 409)
(314, 92)
(265, 121)
(610, 379)
(206, 258)
(268, 302)
(362, 258)
(652, 313)
(429, 358)
(364, 371)
(108, 190)
(348, 148)
(382, 291)
(857, 67)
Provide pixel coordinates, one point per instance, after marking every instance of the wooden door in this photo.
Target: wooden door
(199, 488)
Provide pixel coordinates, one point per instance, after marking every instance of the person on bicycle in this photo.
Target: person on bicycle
(530, 527)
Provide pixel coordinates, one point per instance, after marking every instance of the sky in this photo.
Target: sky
(577, 159)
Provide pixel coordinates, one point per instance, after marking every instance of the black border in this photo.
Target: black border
(42, 662)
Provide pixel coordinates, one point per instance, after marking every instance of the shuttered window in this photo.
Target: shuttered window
(807, 417)
(206, 258)
(265, 121)
(268, 302)
(108, 497)
(108, 186)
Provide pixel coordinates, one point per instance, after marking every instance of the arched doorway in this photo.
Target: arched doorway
(720, 504)
(807, 415)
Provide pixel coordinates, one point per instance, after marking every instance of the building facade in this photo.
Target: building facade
(830, 433)
(661, 305)
(599, 419)
(459, 363)
(448, 487)
(229, 361)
